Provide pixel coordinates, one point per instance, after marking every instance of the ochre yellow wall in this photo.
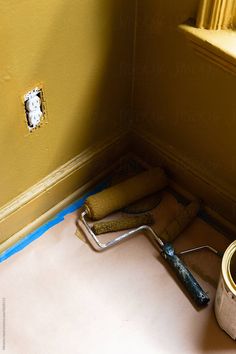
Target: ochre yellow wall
(180, 98)
(81, 51)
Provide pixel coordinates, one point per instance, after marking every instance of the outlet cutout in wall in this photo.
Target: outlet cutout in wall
(34, 108)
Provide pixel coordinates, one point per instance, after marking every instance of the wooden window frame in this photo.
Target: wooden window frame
(213, 34)
(216, 14)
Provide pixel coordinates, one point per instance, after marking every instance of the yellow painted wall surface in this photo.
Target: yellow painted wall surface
(81, 51)
(180, 98)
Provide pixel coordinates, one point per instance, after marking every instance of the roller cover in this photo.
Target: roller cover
(124, 223)
(183, 220)
(117, 197)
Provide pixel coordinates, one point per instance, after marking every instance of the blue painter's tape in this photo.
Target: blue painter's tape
(57, 219)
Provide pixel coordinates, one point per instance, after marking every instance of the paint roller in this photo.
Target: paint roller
(119, 196)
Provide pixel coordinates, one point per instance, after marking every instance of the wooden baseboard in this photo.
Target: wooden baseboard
(50, 214)
(45, 199)
(37, 204)
(219, 200)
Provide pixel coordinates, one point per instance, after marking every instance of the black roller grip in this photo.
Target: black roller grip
(194, 289)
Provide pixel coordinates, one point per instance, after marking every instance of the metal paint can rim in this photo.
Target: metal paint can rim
(225, 268)
(225, 300)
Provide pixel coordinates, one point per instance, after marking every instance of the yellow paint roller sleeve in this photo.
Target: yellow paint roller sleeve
(117, 197)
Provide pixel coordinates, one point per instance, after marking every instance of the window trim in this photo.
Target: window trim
(216, 14)
(218, 47)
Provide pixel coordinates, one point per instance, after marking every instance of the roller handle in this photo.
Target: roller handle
(198, 295)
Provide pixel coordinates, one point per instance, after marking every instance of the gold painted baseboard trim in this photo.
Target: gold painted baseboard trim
(220, 201)
(54, 188)
(48, 215)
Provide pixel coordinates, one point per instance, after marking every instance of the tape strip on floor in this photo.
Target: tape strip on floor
(21, 244)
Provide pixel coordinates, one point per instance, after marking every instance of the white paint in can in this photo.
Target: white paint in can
(225, 301)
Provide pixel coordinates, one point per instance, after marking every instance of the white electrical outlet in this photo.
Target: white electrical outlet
(34, 108)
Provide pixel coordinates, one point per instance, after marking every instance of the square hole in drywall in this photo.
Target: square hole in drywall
(34, 105)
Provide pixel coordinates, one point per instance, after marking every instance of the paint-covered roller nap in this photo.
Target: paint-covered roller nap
(143, 205)
(122, 223)
(183, 219)
(115, 198)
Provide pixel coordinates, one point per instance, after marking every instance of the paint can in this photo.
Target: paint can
(225, 301)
